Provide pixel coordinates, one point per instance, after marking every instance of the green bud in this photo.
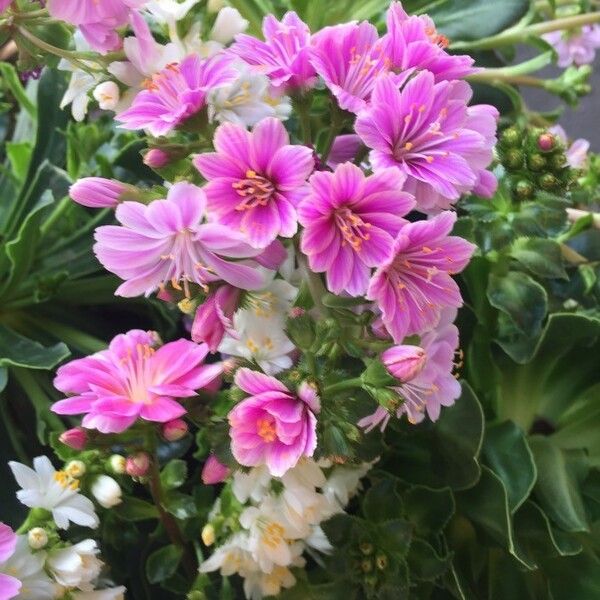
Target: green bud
(524, 189)
(366, 566)
(513, 159)
(366, 548)
(511, 137)
(548, 182)
(536, 162)
(377, 375)
(558, 161)
(381, 561)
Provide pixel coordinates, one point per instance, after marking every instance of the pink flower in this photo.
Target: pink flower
(350, 223)
(137, 465)
(4, 4)
(412, 42)
(214, 316)
(177, 93)
(414, 285)
(344, 149)
(134, 378)
(98, 192)
(98, 21)
(428, 132)
(214, 471)
(577, 47)
(9, 586)
(404, 362)
(75, 438)
(434, 385)
(175, 430)
(349, 58)
(255, 180)
(284, 55)
(167, 241)
(273, 426)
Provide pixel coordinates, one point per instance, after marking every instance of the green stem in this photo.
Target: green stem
(12, 430)
(315, 285)
(57, 214)
(515, 35)
(340, 386)
(69, 335)
(302, 103)
(337, 123)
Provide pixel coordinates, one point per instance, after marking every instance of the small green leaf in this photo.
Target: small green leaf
(174, 474)
(395, 536)
(540, 256)
(382, 502)
(424, 562)
(427, 509)
(163, 563)
(135, 509)
(180, 505)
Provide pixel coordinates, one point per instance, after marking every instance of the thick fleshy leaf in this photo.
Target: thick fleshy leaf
(19, 351)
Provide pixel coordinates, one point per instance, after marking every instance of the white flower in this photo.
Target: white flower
(169, 11)
(274, 302)
(260, 340)
(76, 566)
(232, 557)
(247, 100)
(269, 533)
(344, 482)
(107, 95)
(44, 487)
(37, 538)
(254, 484)
(107, 491)
(80, 84)
(257, 585)
(318, 540)
(28, 568)
(228, 24)
(117, 593)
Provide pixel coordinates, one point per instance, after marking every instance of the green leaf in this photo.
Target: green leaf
(339, 529)
(11, 79)
(540, 256)
(382, 502)
(395, 536)
(163, 563)
(506, 452)
(180, 505)
(427, 509)
(19, 351)
(134, 509)
(19, 154)
(174, 474)
(521, 298)
(424, 562)
(475, 19)
(557, 488)
(3, 378)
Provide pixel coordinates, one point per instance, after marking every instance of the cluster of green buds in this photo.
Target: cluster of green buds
(371, 563)
(535, 160)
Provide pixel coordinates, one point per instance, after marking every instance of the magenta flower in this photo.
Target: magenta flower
(9, 586)
(255, 180)
(428, 132)
(98, 21)
(577, 47)
(98, 192)
(214, 316)
(134, 378)
(349, 58)
(344, 149)
(350, 223)
(4, 4)
(214, 471)
(177, 93)
(412, 42)
(284, 55)
(414, 285)
(433, 386)
(167, 241)
(273, 426)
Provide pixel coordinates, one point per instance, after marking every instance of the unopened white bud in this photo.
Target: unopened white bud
(75, 469)
(228, 24)
(107, 491)
(37, 538)
(107, 94)
(117, 463)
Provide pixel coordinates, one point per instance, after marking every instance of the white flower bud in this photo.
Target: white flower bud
(208, 535)
(107, 95)
(37, 538)
(75, 469)
(117, 463)
(228, 24)
(107, 491)
(215, 5)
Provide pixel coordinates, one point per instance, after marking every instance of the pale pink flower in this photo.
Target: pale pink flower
(414, 285)
(9, 585)
(577, 152)
(98, 192)
(274, 426)
(350, 223)
(575, 47)
(135, 378)
(256, 179)
(167, 241)
(404, 362)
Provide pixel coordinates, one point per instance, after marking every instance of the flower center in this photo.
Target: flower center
(272, 534)
(255, 190)
(265, 427)
(66, 481)
(139, 375)
(352, 227)
(264, 304)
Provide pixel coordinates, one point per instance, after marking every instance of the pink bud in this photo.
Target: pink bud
(546, 142)
(296, 311)
(214, 471)
(156, 158)
(137, 465)
(404, 362)
(213, 316)
(174, 430)
(98, 192)
(75, 438)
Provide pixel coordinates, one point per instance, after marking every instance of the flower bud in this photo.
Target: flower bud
(524, 189)
(107, 94)
(404, 362)
(214, 471)
(511, 137)
(117, 464)
(208, 535)
(548, 182)
(98, 192)
(214, 6)
(138, 464)
(37, 538)
(536, 162)
(156, 158)
(174, 430)
(106, 491)
(546, 142)
(75, 469)
(75, 438)
(228, 24)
